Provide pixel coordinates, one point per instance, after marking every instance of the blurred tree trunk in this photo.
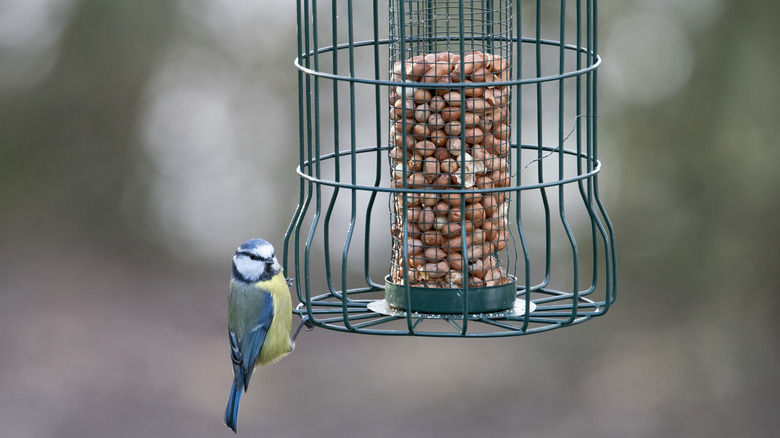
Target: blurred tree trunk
(68, 146)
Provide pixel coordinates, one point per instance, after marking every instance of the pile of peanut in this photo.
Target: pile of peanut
(452, 142)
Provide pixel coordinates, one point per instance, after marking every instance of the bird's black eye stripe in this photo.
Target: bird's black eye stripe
(252, 256)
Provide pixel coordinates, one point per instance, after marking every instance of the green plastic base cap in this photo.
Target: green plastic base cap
(429, 300)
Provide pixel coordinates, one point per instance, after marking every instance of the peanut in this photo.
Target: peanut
(451, 138)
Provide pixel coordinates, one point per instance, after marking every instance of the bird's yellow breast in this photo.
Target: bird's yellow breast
(277, 341)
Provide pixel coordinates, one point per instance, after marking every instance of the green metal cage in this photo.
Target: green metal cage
(448, 168)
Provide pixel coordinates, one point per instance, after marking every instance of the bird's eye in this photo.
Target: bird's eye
(254, 257)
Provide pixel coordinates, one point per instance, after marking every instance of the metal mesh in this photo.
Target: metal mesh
(454, 139)
(432, 26)
(464, 152)
(450, 139)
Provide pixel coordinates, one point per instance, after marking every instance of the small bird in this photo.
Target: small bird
(259, 317)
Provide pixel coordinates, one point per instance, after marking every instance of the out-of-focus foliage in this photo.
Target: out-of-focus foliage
(69, 137)
(140, 142)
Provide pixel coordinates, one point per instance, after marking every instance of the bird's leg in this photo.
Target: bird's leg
(304, 321)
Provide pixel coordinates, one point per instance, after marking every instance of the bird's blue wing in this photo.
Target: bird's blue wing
(253, 340)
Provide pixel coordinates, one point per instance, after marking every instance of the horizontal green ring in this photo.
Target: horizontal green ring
(548, 78)
(345, 185)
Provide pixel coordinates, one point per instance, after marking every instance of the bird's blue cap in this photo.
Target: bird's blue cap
(249, 245)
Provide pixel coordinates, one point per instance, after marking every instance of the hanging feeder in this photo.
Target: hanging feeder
(448, 168)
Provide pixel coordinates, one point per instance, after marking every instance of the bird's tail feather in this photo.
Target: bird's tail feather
(231, 411)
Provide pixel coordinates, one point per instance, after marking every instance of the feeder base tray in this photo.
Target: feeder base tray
(434, 300)
(517, 310)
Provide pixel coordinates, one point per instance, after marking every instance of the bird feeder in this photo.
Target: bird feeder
(448, 168)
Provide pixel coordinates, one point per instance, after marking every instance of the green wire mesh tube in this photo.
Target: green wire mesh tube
(449, 131)
(448, 168)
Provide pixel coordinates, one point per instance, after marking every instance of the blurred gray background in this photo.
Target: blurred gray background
(141, 142)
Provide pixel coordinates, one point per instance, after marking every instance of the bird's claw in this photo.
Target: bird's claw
(304, 321)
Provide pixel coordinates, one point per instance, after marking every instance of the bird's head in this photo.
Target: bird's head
(255, 261)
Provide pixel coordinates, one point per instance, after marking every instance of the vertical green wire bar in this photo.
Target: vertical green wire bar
(611, 268)
(353, 168)
(377, 145)
(404, 166)
(561, 173)
(304, 132)
(314, 144)
(462, 206)
(336, 148)
(553, 58)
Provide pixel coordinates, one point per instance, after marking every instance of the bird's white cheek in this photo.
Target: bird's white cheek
(248, 268)
(276, 266)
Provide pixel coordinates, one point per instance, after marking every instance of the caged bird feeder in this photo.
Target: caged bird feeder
(448, 168)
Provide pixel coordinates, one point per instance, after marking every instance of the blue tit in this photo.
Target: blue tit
(259, 317)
